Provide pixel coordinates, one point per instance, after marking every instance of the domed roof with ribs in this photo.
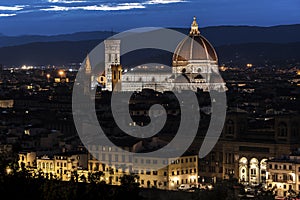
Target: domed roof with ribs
(194, 47)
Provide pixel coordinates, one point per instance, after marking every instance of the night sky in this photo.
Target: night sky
(50, 17)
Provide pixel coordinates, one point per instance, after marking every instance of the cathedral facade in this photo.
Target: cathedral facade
(194, 67)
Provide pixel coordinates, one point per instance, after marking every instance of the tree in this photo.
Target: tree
(82, 178)
(95, 177)
(74, 176)
(130, 180)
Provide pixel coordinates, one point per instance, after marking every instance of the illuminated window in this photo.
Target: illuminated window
(253, 172)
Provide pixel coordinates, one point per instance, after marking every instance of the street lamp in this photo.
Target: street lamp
(48, 77)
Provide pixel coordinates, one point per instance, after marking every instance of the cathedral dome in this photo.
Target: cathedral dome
(194, 47)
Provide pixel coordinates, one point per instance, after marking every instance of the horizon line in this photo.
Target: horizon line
(112, 31)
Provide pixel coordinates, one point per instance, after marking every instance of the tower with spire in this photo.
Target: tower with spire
(88, 76)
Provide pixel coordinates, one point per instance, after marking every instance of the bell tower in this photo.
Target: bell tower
(112, 57)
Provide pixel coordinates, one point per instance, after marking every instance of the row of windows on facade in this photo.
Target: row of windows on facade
(185, 181)
(50, 165)
(191, 171)
(282, 177)
(117, 169)
(182, 160)
(65, 158)
(104, 148)
(108, 157)
(93, 149)
(276, 166)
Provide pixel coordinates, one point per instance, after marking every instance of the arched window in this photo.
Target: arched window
(243, 169)
(115, 75)
(254, 173)
(263, 170)
(282, 129)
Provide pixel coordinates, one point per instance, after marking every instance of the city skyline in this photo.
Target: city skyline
(171, 110)
(50, 17)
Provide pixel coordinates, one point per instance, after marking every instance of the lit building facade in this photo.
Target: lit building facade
(282, 176)
(6, 103)
(242, 150)
(62, 165)
(115, 164)
(184, 170)
(28, 159)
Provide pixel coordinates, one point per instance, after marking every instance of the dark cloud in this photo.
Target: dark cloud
(65, 16)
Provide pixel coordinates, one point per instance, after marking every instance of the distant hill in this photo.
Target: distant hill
(62, 53)
(226, 35)
(217, 35)
(260, 53)
(80, 36)
(47, 53)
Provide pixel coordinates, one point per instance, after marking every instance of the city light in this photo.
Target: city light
(223, 68)
(8, 170)
(61, 73)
